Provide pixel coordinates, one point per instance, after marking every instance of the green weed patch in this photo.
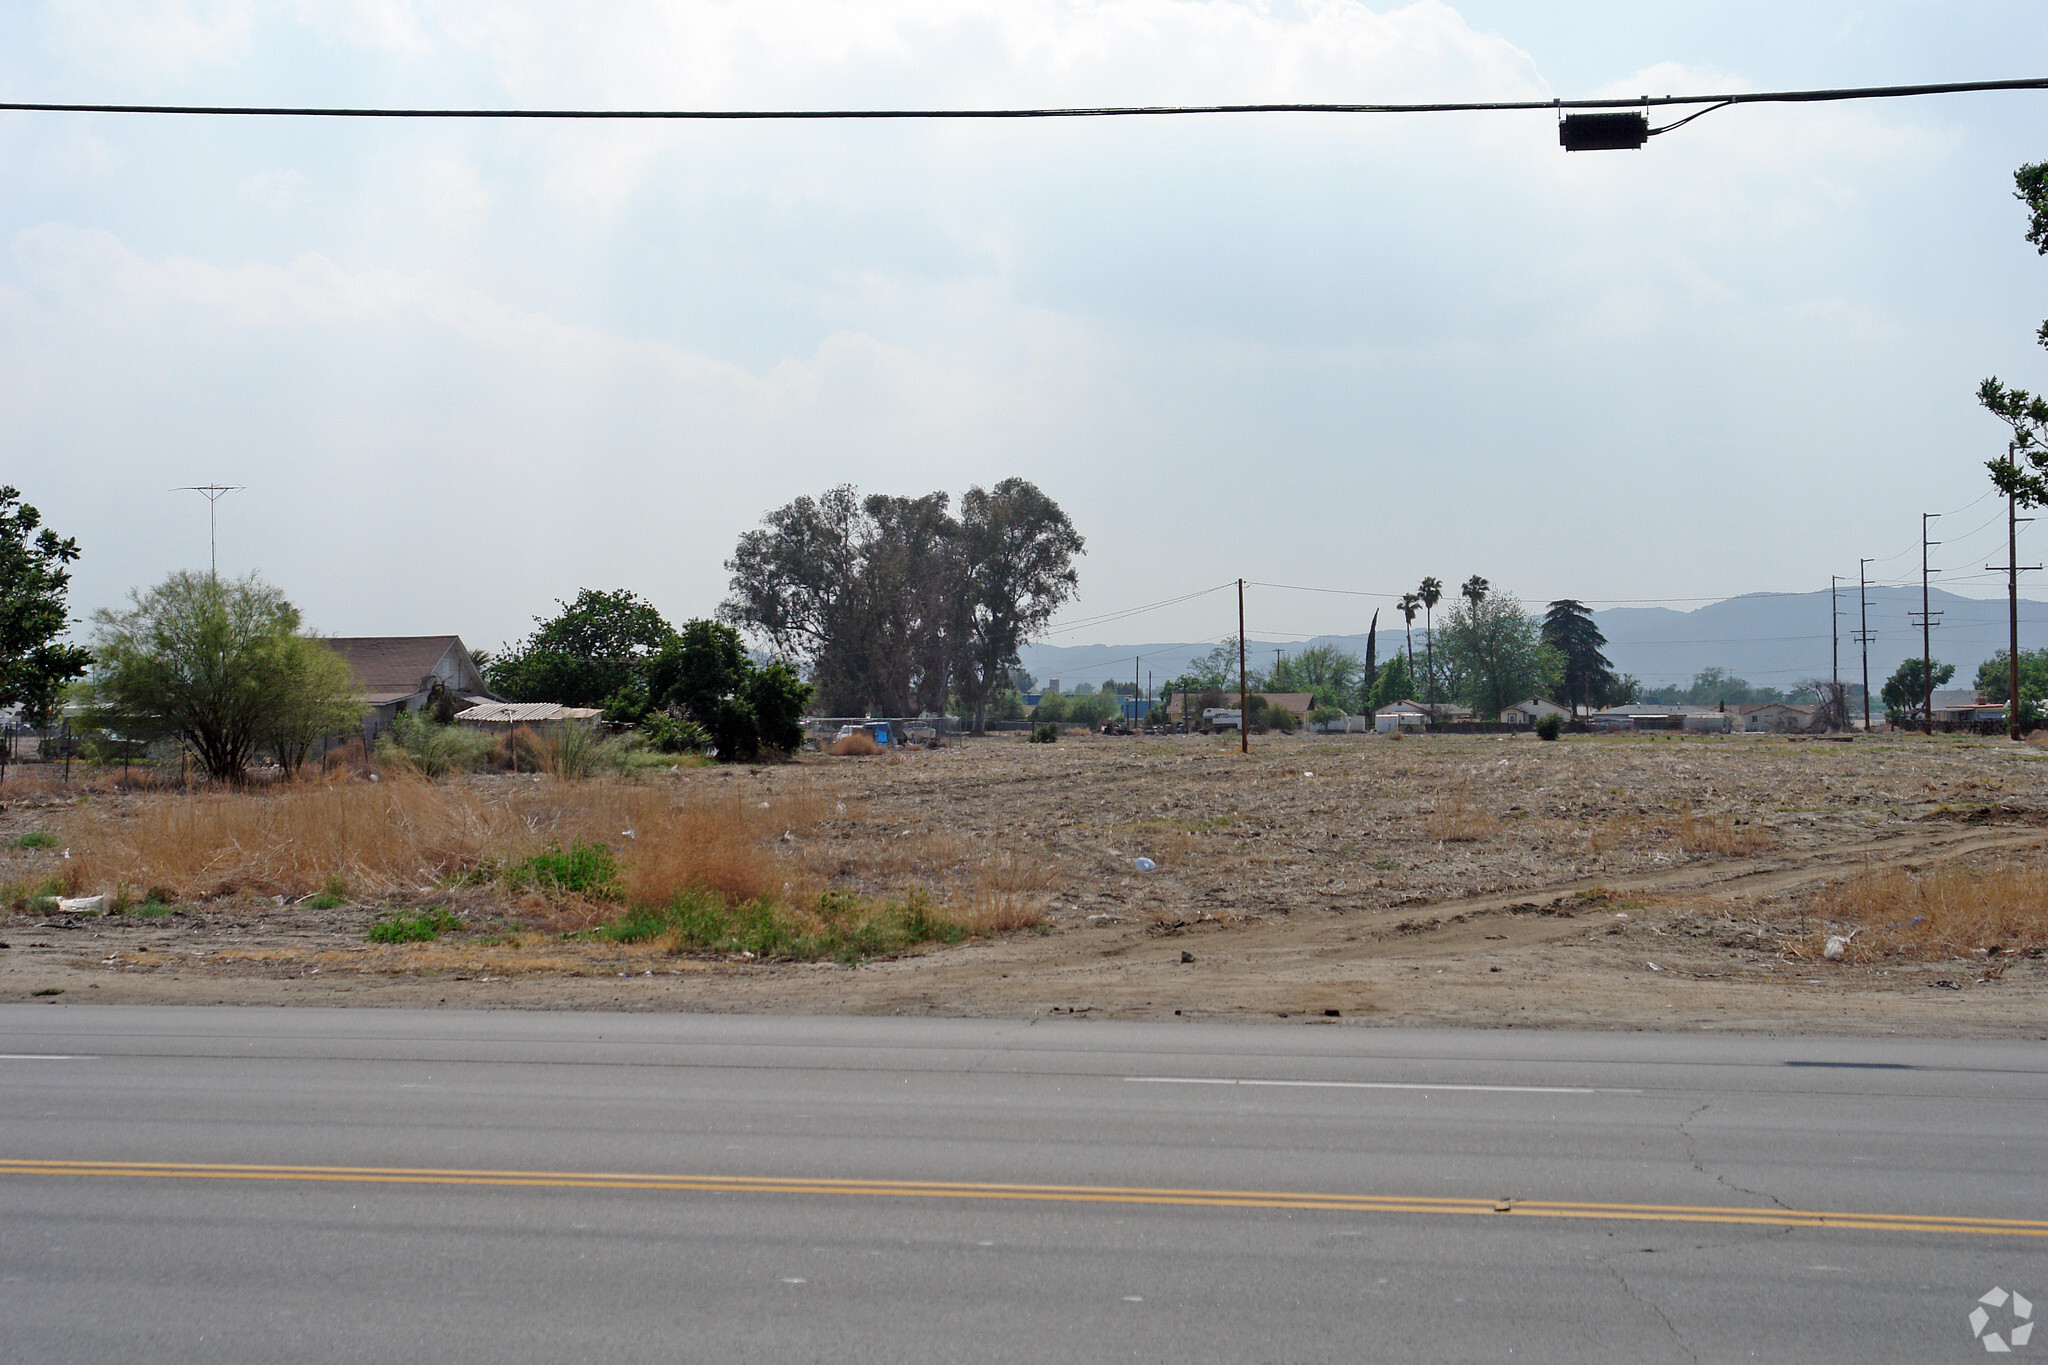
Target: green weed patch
(842, 927)
(421, 928)
(578, 870)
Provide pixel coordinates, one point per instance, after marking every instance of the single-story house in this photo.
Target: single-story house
(1776, 717)
(1447, 712)
(1645, 716)
(1959, 706)
(407, 672)
(1530, 711)
(498, 716)
(1299, 703)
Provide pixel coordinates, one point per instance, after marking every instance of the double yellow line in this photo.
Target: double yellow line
(1055, 1194)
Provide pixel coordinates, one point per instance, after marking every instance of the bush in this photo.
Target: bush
(1045, 734)
(667, 734)
(1278, 718)
(420, 928)
(835, 925)
(579, 870)
(436, 750)
(744, 708)
(1323, 715)
(1549, 727)
(857, 745)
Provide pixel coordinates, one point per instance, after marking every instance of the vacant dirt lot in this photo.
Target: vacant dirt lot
(1598, 881)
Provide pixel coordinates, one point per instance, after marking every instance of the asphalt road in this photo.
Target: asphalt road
(228, 1185)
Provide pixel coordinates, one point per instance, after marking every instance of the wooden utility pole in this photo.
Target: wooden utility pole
(1863, 634)
(1926, 631)
(1835, 635)
(2012, 567)
(1244, 691)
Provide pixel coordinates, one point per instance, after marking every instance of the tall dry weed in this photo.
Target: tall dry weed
(1002, 893)
(1933, 913)
(405, 833)
(1719, 835)
(1457, 820)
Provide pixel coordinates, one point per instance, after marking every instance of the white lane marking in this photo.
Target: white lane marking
(48, 1057)
(1388, 1085)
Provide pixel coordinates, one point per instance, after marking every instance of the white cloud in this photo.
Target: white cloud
(391, 26)
(147, 37)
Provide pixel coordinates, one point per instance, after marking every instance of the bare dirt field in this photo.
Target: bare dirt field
(1655, 882)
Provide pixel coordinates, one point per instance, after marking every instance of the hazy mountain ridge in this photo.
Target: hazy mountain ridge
(1772, 639)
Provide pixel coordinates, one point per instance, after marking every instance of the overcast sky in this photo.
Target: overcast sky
(465, 369)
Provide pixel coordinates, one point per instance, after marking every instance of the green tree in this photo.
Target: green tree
(746, 709)
(2023, 472)
(1568, 628)
(1994, 676)
(1052, 706)
(1392, 685)
(1495, 650)
(219, 664)
(598, 651)
(1326, 672)
(1904, 693)
(1410, 606)
(34, 667)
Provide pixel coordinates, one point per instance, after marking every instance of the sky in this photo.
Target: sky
(462, 370)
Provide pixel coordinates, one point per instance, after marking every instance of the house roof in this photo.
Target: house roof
(1954, 698)
(524, 713)
(393, 664)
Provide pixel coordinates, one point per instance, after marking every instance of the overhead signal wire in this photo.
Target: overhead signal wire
(1107, 617)
(1868, 92)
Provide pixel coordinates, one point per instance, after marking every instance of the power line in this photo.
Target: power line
(1869, 92)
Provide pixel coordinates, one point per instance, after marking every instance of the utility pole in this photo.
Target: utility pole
(1926, 631)
(2012, 568)
(1863, 634)
(1244, 691)
(214, 493)
(1834, 631)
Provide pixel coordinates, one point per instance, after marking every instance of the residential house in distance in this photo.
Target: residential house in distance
(1409, 714)
(1644, 716)
(406, 672)
(1772, 717)
(501, 717)
(1530, 711)
(1959, 706)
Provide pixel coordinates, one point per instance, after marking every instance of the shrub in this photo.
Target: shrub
(330, 896)
(1549, 727)
(1045, 734)
(579, 870)
(1323, 715)
(37, 838)
(421, 928)
(833, 925)
(854, 746)
(436, 750)
(668, 735)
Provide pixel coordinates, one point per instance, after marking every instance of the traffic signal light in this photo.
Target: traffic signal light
(1603, 132)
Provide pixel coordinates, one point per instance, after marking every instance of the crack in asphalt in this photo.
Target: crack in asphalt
(1692, 1155)
(1628, 1289)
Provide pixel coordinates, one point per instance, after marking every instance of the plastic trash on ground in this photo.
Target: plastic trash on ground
(1146, 865)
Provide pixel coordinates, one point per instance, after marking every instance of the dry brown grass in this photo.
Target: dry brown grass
(401, 834)
(1998, 909)
(1719, 835)
(1004, 893)
(1456, 820)
(854, 746)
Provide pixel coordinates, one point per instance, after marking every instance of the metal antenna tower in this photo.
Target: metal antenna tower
(214, 493)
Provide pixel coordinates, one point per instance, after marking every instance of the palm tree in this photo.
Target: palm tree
(1475, 590)
(1431, 592)
(1410, 605)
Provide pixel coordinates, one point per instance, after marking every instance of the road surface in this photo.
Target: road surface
(228, 1185)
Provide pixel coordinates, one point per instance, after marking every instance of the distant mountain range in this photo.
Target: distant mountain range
(1771, 639)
